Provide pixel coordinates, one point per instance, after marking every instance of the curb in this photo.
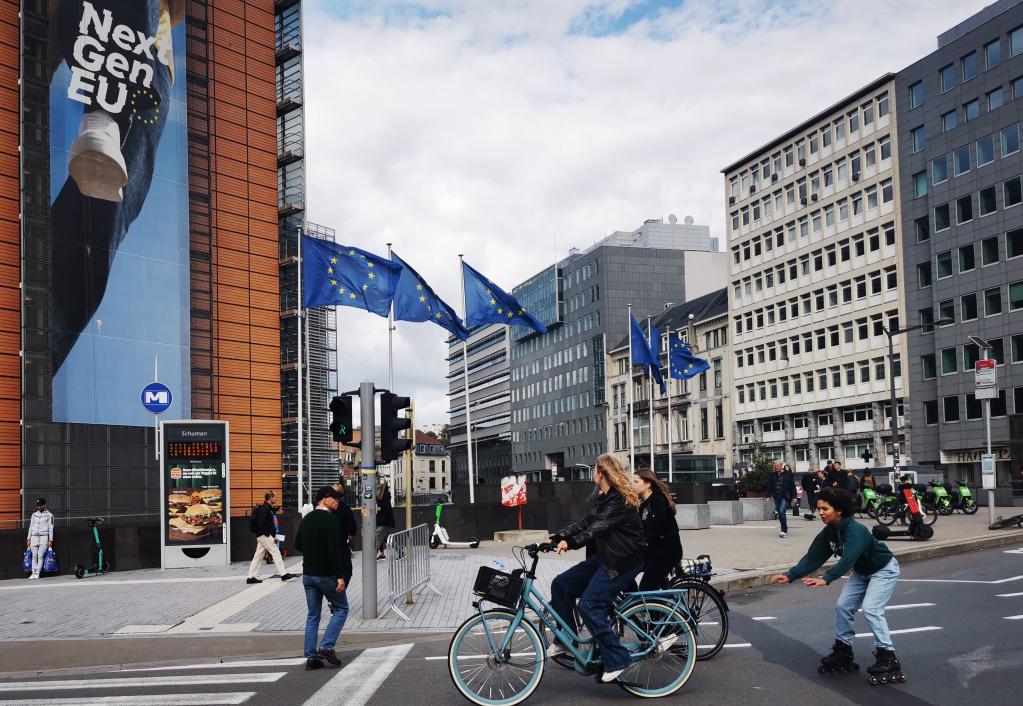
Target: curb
(758, 578)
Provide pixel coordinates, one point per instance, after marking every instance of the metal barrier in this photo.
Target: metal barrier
(408, 567)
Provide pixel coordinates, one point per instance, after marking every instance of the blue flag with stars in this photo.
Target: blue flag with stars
(346, 276)
(643, 353)
(486, 303)
(414, 300)
(682, 364)
(655, 348)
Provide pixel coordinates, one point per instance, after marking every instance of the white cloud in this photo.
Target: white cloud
(485, 128)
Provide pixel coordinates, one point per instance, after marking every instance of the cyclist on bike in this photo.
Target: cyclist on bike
(663, 546)
(614, 529)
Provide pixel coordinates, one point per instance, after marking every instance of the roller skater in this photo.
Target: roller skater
(871, 584)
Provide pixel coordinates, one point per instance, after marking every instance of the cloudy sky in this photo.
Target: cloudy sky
(492, 127)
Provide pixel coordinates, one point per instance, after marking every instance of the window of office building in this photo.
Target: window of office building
(918, 138)
(1012, 192)
(947, 76)
(948, 121)
(928, 366)
(992, 301)
(944, 262)
(971, 110)
(970, 66)
(942, 217)
(992, 54)
(995, 99)
(989, 250)
(985, 150)
(949, 361)
(1016, 296)
(939, 169)
(964, 209)
(967, 259)
(961, 160)
(931, 412)
(951, 408)
(1014, 243)
(987, 201)
(1010, 139)
(920, 184)
(916, 94)
(968, 307)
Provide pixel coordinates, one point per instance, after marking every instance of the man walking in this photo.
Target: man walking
(326, 574)
(810, 487)
(262, 525)
(346, 518)
(40, 536)
(782, 489)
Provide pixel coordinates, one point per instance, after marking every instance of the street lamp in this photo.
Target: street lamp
(583, 465)
(985, 347)
(891, 376)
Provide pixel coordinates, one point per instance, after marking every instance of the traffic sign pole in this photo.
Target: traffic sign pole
(986, 388)
(367, 399)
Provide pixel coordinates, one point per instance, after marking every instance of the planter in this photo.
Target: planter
(692, 517)
(756, 493)
(757, 509)
(725, 512)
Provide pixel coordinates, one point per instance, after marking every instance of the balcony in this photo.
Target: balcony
(287, 50)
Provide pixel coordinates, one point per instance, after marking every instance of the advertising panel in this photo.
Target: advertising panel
(195, 483)
(119, 208)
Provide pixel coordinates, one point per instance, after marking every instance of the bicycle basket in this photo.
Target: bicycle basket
(497, 587)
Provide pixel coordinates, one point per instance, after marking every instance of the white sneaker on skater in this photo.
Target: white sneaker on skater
(608, 677)
(783, 535)
(96, 162)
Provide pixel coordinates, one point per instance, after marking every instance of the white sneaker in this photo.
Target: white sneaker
(33, 577)
(556, 649)
(608, 677)
(665, 643)
(783, 535)
(96, 163)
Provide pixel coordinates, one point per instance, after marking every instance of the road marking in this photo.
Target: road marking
(1014, 551)
(513, 654)
(1014, 617)
(929, 628)
(1008, 580)
(358, 681)
(765, 617)
(136, 682)
(229, 697)
(906, 605)
(289, 662)
(1009, 595)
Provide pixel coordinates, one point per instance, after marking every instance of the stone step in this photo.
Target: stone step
(522, 536)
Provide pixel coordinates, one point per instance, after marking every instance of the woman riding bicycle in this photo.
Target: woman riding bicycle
(663, 546)
(614, 529)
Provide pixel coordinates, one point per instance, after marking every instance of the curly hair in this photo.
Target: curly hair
(841, 500)
(618, 478)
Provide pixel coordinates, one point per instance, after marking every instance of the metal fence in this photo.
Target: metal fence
(408, 567)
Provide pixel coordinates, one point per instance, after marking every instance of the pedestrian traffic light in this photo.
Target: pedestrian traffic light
(341, 419)
(393, 446)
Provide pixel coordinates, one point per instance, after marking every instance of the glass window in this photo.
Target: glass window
(919, 138)
(971, 110)
(985, 150)
(961, 160)
(967, 261)
(854, 120)
(1017, 93)
(970, 66)
(995, 99)
(923, 229)
(968, 307)
(1014, 243)
(1012, 192)
(886, 147)
(916, 94)
(973, 408)
(951, 408)
(947, 75)
(923, 274)
(992, 54)
(1010, 139)
(989, 252)
(992, 301)
(1015, 296)
(931, 412)
(882, 105)
(1016, 41)
(920, 184)
(939, 169)
(1017, 355)
(947, 310)
(887, 191)
(971, 354)
(944, 260)
(942, 217)
(839, 128)
(949, 361)
(930, 368)
(964, 209)
(948, 121)
(987, 201)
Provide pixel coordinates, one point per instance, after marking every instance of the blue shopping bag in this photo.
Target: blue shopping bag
(50, 565)
(26, 562)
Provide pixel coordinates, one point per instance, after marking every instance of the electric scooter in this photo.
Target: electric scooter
(100, 565)
(871, 502)
(963, 499)
(939, 497)
(440, 536)
(917, 529)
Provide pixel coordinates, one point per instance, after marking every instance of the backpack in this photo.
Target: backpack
(254, 520)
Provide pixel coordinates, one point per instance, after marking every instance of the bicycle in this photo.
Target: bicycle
(1007, 522)
(497, 656)
(892, 510)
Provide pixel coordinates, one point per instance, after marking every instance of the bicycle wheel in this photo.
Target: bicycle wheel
(1006, 522)
(482, 677)
(887, 516)
(710, 617)
(930, 513)
(665, 669)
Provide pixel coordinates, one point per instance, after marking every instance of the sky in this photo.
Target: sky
(512, 130)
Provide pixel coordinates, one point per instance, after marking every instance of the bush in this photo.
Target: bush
(757, 476)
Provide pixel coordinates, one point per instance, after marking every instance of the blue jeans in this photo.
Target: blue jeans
(316, 589)
(589, 582)
(872, 592)
(781, 506)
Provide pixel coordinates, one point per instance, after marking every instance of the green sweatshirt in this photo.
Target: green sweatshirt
(853, 543)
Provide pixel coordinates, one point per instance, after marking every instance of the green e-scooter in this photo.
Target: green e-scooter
(100, 565)
(440, 536)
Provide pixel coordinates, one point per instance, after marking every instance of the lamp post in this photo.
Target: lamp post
(985, 347)
(583, 465)
(891, 376)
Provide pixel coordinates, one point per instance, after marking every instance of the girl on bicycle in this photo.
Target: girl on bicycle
(613, 528)
(663, 546)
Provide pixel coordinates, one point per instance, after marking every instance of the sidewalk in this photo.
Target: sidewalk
(217, 601)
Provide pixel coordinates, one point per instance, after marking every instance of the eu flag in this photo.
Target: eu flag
(682, 364)
(486, 303)
(643, 353)
(346, 276)
(414, 300)
(655, 349)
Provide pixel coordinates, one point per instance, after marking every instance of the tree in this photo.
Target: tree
(432, 434)
(757, 476)
(445, 435)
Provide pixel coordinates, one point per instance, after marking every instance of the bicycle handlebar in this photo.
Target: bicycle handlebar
(534, 549)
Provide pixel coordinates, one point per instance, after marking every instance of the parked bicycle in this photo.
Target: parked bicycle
(893, 510)
(1007, 522)
(497, 656)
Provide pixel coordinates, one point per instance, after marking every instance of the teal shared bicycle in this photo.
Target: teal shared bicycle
(497, 656)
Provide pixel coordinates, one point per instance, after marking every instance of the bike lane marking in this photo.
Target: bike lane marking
(1014, 617)
(1008, 580)
(356, 683)
(1008, 595)
(928, 628)
(906, 605)
(136, 682)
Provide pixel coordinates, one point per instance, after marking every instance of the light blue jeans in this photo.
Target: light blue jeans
(316, 589)
(872, 593)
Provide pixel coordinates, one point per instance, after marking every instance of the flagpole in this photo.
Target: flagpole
(632, 435)
(465, 379)
(649, 333)
(299, 369)
(390, 386)
(670, 440)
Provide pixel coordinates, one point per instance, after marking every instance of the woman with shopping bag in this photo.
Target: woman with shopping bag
(40, 536)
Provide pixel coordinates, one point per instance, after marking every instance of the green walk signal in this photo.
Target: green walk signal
(341, 419)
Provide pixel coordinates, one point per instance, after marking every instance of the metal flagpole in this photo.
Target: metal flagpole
(301, 480)
(670, 435)
(465, 379)
(390, 386)
(632, 434)
(649, 331)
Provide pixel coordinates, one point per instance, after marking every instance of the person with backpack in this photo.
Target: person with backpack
(261, 524)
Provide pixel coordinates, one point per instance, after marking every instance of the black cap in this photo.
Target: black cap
(40, 501)
(327, 492)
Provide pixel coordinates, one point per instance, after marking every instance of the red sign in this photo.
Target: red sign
(513, 491)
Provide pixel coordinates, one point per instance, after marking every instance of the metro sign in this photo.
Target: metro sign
(156, 397)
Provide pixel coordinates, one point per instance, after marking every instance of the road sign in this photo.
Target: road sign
(554, 471)
(985, 379)
(987, 471)
(156, 397)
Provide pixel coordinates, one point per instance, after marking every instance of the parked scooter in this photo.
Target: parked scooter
(100, 565)
(917, 529)
(440, 536)
(962, 499)
(938, 496)
(871, 502)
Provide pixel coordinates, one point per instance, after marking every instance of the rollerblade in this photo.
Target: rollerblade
(887, 669)
(840, 660)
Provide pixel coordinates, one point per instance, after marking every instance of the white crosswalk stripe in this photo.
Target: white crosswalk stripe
(222, 699)
(138, 682)
(271, 663)
(361, 677)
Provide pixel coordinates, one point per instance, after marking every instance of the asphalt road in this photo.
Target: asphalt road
(962, 615)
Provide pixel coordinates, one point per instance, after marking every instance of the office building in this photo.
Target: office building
(815, 257)
(962, 215)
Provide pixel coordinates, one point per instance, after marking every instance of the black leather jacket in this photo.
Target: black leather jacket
(614, 529)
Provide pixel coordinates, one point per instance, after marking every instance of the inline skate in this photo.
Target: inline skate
(840, 660)
(887, 669)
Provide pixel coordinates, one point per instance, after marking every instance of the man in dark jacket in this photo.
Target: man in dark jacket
(262, 524)
(781, 486)
(345, 518)
(836, 476)
(810, 488)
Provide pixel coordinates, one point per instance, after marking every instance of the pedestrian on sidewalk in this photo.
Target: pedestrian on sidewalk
(40, 536)
(811, 486)
(326, 574)
(261, 523)
(663, 546)
(781, 487)
(345, 518)
(385, 517)
(836, 476)
(868, 480)
(875, 573)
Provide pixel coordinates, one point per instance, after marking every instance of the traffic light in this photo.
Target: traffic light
(391, 445)
(341, 419)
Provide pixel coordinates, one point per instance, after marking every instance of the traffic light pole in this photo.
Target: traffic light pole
(367, 400)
